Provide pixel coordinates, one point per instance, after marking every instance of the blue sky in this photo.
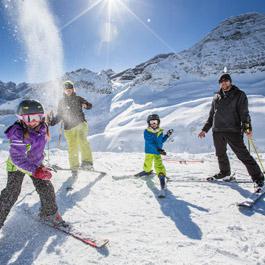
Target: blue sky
(138, 30)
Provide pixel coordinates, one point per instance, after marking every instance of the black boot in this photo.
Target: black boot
(162, 179)
(225, 177)
(259, 185)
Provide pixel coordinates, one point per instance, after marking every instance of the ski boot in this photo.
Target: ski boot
(162, 180)
(87, 165)
(259, 186)
(74, 174)
(221, 176)
(54, 220)
(143, 174)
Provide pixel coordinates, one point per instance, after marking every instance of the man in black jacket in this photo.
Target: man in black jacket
(70, 111)
(229, 118)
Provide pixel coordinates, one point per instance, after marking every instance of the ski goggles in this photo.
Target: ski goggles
(153, 122)
(30, 118)
(68, 86)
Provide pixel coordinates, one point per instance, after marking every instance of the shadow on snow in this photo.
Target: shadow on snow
(24, 239)
(178, 211)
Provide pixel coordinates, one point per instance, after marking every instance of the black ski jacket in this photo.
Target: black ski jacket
(70, 111)
(229, 112)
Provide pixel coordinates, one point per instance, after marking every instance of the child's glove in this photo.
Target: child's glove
(161, 151)
(43, 173)
(169, 132)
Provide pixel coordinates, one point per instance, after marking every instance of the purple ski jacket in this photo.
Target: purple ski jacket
(26, 152)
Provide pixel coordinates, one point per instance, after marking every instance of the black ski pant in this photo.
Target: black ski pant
(10, 193)
(236, 142)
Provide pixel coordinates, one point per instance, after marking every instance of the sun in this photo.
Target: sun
(113, 7)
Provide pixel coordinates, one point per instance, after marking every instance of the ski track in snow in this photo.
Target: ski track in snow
(197, 223)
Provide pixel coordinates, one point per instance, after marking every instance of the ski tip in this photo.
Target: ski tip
(101, 243)
(210, 179)
(244, 205)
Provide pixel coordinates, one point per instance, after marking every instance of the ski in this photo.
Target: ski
(73, 232)
(191, 179)
(251, 200)
(135, 176)
(144, 174)
(183, 161)
(56, 168)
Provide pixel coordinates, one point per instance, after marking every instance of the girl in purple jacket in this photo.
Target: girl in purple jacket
(28, 136)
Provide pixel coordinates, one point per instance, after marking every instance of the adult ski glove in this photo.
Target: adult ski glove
(161, 151)
(247, 127)
(43, 173)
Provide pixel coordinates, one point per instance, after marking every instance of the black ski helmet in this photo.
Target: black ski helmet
(29, 106)
(153, 117)
(225, 77)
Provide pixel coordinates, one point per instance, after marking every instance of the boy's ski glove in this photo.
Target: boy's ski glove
(169, 132)
(162, 151)
(43, 173)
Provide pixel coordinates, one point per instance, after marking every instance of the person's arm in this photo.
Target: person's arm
(54, 119)
(166, 136)
(209, 122)
(244, 113)
(85, 104)
(159, 144)
(18, 152)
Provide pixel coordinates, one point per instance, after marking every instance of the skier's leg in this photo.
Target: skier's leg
(86, 154)
(148, 162)
(71, 138)
(160, 170)
(220, 143)
(10, 193)
(46, 193)
(236, 142)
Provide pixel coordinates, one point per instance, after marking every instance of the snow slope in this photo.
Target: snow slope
(197, 224)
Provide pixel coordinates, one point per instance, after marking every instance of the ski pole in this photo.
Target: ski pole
(256, 151)
(60, 135)
(249, 145)
(48, 155)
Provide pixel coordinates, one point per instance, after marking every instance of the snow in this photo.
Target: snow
(194, 224)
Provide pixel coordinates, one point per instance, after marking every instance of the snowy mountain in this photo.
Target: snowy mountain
(237, 43)
(178, 87)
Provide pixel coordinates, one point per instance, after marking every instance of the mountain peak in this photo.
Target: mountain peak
(238, 43)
